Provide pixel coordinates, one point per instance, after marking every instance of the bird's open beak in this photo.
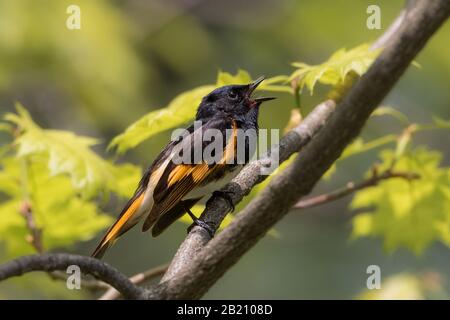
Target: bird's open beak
(252, 87)
(262, 99)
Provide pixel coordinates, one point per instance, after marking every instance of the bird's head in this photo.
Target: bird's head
(233, 100)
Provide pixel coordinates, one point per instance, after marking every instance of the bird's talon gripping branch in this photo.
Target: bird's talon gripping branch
(226, 196)
(200, 223)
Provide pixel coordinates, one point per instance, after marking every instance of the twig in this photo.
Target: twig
(111, 293)
(139, 278)
(60, 261)
(90, 284)
(35, 236)
(35, 239)
(351, 187)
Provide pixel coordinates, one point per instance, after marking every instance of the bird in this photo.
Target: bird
(168, 188)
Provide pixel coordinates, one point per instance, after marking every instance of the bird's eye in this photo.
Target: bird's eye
(232, 95)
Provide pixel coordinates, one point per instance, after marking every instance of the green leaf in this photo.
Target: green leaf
(410, 214)
(57, 208)
(179, 111)
(10, 177)
(12, 228)
(276, 84)
(67, 153)
(182, 109)
(126, 178)
(225, 78)
(336, 68)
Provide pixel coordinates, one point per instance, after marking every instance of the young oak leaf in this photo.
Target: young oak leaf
(182, 109)
(336, 68)
(179, 111)
(225, 78)
(274, 84)
(57, 208)
(410, 214)
(67, 154)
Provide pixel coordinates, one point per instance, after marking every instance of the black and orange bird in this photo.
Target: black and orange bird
(169, 188)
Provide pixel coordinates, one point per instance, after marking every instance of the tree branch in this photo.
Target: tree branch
(60, 261)
(351, 187)
(35, 239)
(204, 265)
(90, 284)
(139, 278)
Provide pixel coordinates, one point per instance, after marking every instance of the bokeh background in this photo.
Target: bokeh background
(133, 56)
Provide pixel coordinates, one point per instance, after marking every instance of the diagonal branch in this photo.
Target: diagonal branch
(206, 264)
(292, 142)
(60, 261)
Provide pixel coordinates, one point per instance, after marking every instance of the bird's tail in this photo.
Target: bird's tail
(128, 218)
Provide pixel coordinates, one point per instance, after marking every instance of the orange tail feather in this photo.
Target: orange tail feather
(125, 221)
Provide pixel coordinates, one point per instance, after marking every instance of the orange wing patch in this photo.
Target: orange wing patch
(231, 147)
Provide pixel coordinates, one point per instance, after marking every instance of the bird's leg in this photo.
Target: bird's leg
(226, 196)
(198, 222)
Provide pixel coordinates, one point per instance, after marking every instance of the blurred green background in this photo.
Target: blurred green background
(133, 56)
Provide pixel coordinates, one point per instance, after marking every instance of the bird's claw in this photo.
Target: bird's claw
(202, 224)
